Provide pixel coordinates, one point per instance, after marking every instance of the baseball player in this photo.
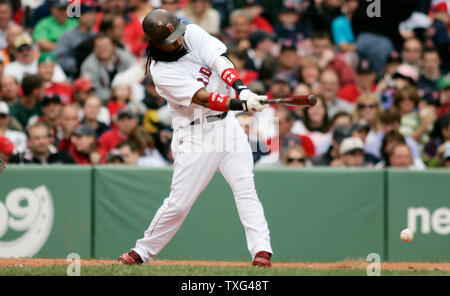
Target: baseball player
(191, 71)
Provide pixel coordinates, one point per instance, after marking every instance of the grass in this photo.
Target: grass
(149, 270)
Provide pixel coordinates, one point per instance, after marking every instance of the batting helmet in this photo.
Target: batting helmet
(162, 28)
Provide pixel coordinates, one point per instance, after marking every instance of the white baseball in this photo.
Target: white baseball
(407, 235)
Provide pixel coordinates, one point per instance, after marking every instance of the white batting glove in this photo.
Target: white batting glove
(253, 101)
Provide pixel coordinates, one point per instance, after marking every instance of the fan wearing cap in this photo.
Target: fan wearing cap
(68, 42)
(331, 156)
(27, 60)
(125, 123)
(255, 9)
(261, 45)
(46, 69)
(17, 137)
(351, 152)
(6, 149)
(438, 32)
(291, 25)
(365, 77)
(51, 107)
(84, 149)
(49, 30)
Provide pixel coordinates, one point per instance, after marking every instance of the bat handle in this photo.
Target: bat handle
(266, 102)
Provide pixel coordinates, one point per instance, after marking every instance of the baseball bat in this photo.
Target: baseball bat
(308, 100)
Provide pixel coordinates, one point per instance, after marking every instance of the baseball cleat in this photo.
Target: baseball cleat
(130, 258)
(262, 258)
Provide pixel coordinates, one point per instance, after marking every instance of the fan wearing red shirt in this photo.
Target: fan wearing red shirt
(125, 124)
(84, 149)
(46, 68)
(364, 82)
(255, 8)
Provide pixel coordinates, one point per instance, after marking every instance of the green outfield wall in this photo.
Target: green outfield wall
(318, 214)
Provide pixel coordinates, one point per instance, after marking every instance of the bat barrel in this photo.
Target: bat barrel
(312, 100)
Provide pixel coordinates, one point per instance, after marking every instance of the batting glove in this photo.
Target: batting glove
(252, 100)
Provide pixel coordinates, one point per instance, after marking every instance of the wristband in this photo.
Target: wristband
(230, 75)
(218, 102)
(238, 105)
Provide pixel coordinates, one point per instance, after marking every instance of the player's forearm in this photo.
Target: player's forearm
(225, 68)
(218, 102)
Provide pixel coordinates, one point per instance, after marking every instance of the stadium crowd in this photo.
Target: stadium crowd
(73, 87)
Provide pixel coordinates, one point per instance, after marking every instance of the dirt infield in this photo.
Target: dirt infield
(350, 264)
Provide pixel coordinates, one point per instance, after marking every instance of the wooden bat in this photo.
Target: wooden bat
(308, 100)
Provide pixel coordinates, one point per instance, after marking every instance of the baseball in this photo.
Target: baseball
(407, 235)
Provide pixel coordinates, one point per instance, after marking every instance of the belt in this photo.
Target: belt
(211, 118)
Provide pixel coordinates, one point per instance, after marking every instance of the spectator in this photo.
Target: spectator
(149, 156)
(29, 104)
(69, 121)
(400, 157)
(133, 34)
(51, 107)
(84, 149)
(412, 123)
(46, 70)
(6, 149)
(8, 53)
(439, 135)
(125, 124)
(446, 155)
(364, 82)
(412, 52)
(341, 27)
(120, 97)
(104, 63)
(261, 45)
(316, 125)
(332, 155)
(309, 72)
(329, 87)
(286, 121)
(341, 118)
(291, 26)
(10, 89)
(69, 41)
(48, 30)
(390, 140)
(140, 8)
(5, 21)
(40, 150)
(255, 9)
(351, 153)
(431, 72)
(295, 156)
(324, 53)
(91, 111)
(239, 31)
(19, 139)
(361, 129)
(279, 88)
(114, 156)
(438, 32)
(27, 61)
(201, 13)
(129, 153)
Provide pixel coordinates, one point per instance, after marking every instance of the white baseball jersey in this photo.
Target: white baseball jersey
(178, 81)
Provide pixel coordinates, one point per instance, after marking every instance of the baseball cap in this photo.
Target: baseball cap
(440, 7)
(287, 45)
(6, 146)
(288, 141)
(46, 57)
(407, 72)
(350, 145)
(23, 39)
(54, 98)
(341, 132)
(365, 67)
(258, 36)
(84, 130)
(360, 125)
(60, 3)
(82, 84)
(252, 3)
(289, 7)
(125, 112)
(394, 57)
(4, 109)
(444, 82)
